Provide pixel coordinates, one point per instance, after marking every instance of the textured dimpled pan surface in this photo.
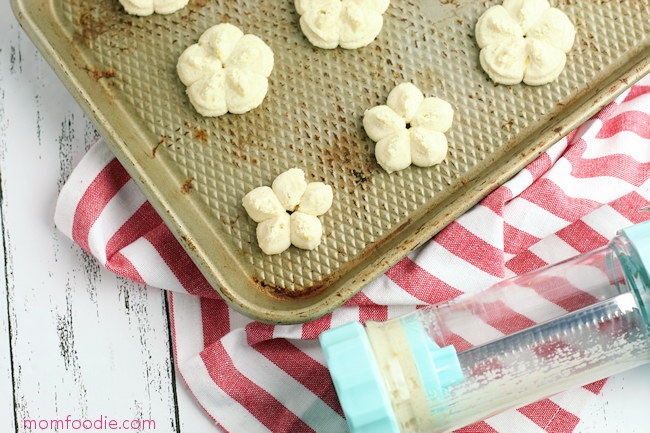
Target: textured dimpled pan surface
(196, 170)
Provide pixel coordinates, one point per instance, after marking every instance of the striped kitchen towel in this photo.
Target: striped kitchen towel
(254, 377)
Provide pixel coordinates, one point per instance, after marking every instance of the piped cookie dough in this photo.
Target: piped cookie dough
(226, 71)
(288, 212)
(348, 23)
(524, 40)
(409, 129)
(148, 7)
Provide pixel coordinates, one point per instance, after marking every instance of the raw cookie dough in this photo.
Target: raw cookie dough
(262, 203)
(423, 142)
(348, 23)
(289, 187)
(226, 71)
(273, 234)
(317, 199)
(148, 7)
(306, 230)
(276, 230)
(524, 40)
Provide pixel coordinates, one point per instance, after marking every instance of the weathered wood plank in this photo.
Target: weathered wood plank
(84, 342)
(7, 408)
(7, 415)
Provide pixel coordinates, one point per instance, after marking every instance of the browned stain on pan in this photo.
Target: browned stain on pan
(288, 295)
(187, 186)
(201, 135)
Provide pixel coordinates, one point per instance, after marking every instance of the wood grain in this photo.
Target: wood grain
(7, 414)
(7, 406)
(76, 339)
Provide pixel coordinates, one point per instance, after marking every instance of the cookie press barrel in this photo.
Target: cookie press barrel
(417, 374)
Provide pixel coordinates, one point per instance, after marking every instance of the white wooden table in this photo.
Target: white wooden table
(77, 340)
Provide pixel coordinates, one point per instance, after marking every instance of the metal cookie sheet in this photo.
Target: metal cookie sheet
(196, 170)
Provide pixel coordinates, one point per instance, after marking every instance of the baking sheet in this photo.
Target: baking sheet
(195, 170)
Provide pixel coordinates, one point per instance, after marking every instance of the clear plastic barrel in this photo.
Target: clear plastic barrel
(523, 339)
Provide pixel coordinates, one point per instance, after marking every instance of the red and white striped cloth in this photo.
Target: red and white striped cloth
(254, 377)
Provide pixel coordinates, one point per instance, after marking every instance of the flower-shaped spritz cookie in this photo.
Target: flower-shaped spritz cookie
(226, 71)
(524, 40)
(348, 23)
(409, 129)
(148, 7)
(287, 212)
